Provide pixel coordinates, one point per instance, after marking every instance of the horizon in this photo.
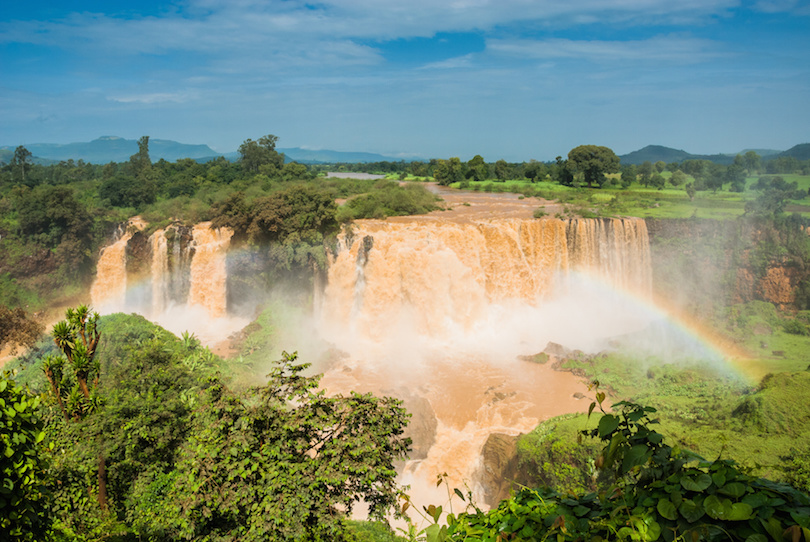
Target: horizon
(508, 80)
(764, 152)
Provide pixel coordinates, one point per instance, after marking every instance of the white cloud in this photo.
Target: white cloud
(153, 98)
(796, 7)
(661, 49)
(464, 61)
(212, 26)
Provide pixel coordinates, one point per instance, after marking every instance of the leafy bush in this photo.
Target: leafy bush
(23, 494)
(388, 198)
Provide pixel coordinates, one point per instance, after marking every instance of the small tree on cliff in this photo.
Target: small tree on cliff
(592, 162)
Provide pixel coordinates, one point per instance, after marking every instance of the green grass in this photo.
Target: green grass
(637, 200)
(709, 411)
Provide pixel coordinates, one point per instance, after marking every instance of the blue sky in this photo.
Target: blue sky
(512, 79)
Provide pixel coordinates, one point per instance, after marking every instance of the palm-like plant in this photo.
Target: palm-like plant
(77, 337)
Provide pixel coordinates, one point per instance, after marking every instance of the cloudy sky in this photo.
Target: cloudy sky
(513, 79)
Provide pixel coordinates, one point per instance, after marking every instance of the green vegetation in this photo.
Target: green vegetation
(24, 492)
(660, 493)
(55, 219)
(165, 447)
(388, 198)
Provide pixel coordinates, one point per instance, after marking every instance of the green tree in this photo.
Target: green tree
(534, 171)
(503, 170)
(678, 178)
(449, 171)
(657, 181)
(660, 166)
(294, 171)
(592, 162)
(286, 462)
(715, 177)
(645, 170)
(21, 160)
(23, 495)
(561, 173)
(695, 168)
(690, 191)
(255, 154)
(127, 191)
(74, 378)
(140, 164)
(477, 169)
(629, 175)
(735, 174)
(752, 162)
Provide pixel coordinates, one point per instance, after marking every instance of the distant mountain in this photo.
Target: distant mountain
(655, 153)
(306, 156)
(799, 152)
(115, 149)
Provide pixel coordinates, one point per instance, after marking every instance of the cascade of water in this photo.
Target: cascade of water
(109, 289)
(185, 283)
(446, 308)
(452, 273)
(160, 272)
(208, 269)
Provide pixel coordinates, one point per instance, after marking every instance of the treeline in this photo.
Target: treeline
(55, 219)
(570, 171)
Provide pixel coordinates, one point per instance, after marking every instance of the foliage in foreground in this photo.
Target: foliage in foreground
(181, 453)
(22, 464)
(286, 462)
(661, 493)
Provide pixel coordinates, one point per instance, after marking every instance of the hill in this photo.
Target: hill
(799, 152)
(656, 153)
(107, 149)
(307, 156)
(113, 149)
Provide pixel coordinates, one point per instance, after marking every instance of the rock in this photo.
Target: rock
(777, 286)
(540, 357)
(422, 426)
(139, 257)
(556, 350)
(579, 395)
(499, 467)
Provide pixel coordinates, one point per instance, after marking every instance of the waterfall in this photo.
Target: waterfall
(449, 274)
(446, 309)
(208, 269)
(109, 289)
(184, 284)
(160, 272)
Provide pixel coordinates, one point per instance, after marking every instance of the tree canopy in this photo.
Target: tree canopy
(592, 162)
(255, 154)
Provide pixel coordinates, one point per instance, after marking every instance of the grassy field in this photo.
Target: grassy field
(637, 200)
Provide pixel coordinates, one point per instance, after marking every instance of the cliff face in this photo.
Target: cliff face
(778, 286)
(703, 263)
